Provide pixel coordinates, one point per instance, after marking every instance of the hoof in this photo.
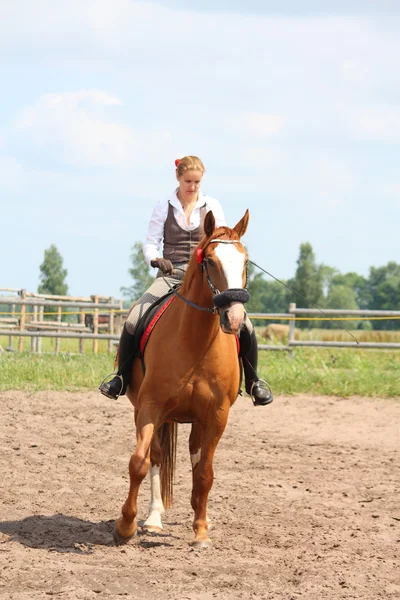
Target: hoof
(120, 540)
(151, 529)
(201, 544)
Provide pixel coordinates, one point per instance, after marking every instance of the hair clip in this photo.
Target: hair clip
(177, 161)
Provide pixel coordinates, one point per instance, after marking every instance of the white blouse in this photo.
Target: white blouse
(155, 232)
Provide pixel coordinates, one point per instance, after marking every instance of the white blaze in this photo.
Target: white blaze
(232, 261)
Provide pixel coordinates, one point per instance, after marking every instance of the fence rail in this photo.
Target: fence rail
(294, 312)
(31, 324)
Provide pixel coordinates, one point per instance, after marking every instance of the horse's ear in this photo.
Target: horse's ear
(241, 227)
(209, 223)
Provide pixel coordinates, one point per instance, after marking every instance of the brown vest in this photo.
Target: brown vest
(178, 243)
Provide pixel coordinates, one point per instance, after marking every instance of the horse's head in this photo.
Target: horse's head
(224, 261)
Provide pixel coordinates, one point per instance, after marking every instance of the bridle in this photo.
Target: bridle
(220, 299)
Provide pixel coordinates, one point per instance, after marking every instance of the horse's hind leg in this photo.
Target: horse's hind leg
(126, 525)
(156, 507)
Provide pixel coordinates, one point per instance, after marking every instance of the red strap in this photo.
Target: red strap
(152, 323)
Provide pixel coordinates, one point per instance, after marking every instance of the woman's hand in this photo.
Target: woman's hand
(163, 264)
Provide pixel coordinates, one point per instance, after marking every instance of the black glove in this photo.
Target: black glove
(163, 264)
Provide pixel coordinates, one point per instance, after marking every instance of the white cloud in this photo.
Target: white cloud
(378, 125)
(11, 173)
(354, 71)
(75, 125)
(256, 124)
(392, 192)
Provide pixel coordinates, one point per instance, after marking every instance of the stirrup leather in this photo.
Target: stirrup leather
(115, 374)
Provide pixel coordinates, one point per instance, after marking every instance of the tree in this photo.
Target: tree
(342, 296)
(384, 290)
(265, 296)
(52, 273)
(140, 272)
(308, 281)
(357, 283)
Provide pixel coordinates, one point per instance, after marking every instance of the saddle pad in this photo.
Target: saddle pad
(150, 326)
(155, 316)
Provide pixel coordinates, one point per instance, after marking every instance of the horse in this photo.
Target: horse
(191, 374)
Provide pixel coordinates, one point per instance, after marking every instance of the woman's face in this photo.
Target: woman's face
(189, 184)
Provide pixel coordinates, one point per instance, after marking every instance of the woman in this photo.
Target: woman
(177, 225)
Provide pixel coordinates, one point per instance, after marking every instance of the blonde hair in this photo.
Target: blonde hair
(188, 163)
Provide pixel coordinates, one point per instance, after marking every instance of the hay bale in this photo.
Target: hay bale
(278, 332)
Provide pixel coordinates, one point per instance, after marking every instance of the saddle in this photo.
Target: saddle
(148, 321)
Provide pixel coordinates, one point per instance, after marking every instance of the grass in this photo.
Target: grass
(338, 372)
(48, 345)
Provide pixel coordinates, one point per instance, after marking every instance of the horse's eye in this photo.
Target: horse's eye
(211, 262)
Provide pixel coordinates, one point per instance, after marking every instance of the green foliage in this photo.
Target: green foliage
(140, 273)
(384, 291)
(355, 282)
(52, 273)
(365, 326)
(341, 296)
(308, 282)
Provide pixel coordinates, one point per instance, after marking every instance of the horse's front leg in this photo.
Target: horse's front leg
(153, 522)
(203, 475)
(126, 525)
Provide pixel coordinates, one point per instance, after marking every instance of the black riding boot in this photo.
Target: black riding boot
(255, 387)
(117, 386)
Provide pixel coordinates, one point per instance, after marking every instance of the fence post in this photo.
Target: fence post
(119, 326)
(22, 322)
(59, 321)
(10, 339)
(292, 326)
(82, 322)
(111, 328)
(39, 339)
(33, 339)
(96, 325)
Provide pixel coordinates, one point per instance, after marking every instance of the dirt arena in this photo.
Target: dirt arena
(305, 503)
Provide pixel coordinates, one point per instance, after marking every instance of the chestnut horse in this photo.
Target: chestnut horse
(192, 375)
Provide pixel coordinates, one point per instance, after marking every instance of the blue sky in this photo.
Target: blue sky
(296, 115)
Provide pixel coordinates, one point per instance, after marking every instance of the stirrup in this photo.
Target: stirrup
(254, 383)
(104, 392)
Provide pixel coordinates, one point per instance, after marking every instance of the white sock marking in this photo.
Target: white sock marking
(156, 507)
(195, 458)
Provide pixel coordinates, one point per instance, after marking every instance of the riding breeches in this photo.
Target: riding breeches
(158, 288)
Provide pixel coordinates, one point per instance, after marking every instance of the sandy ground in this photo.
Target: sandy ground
(305, 503)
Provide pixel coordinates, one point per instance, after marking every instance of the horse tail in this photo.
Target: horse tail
(168, 440)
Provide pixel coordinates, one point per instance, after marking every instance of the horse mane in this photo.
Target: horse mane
(193, 266)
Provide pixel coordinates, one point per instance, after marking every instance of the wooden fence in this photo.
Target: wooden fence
(333, 314)
(26, 318)
(25, 323)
